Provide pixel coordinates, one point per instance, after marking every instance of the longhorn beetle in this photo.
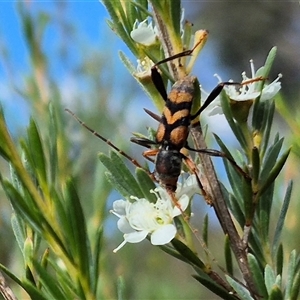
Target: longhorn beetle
(173, 128)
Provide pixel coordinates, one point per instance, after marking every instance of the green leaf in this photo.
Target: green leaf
(270, 278)
(187, 253)
(234, 205)
(63, 277)
(256, 246)
(291, 269)
(281, 218)
(79, 237)
(171, 251)
(279, 259)
(225, 103)
(257, 275)
(53, 155)
(255, 165)
(27, 212)
(228, 256)
(267, 127)
(49, 283)
(268, 63)
(270, 159)
(19, 230)
(121, 288)
(120, 176)
(117, 186)
(205, 280)
(175, 12)
(36, 152)
(274, 172)
(296, 286)
(276, 294)
(205, 230)
(240, 290)
(32, 291)
(142, 9)
(96, 259)
(146, 184)
(264, 211)
(261, 115)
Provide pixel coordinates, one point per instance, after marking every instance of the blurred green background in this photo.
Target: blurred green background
(65, 53)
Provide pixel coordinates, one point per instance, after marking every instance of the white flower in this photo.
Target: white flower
(143, 68)
(144, 33)
(141, 218)
(248, 91)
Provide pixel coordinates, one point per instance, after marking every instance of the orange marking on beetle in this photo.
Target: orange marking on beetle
(172, 118)
(179, 135)
(160, 134)
(179, 96)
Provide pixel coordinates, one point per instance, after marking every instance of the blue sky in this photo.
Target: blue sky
(89, 21)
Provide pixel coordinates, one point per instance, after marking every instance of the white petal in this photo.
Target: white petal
(143, 35)
(163, 235)
(270, 91)
(183, 203)
(190, 187)
(124, 225)
(135, 237)
(246, 96)
(119, 207)
(217, 110)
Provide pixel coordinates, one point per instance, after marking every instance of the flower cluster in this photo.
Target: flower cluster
(141, 218)
(249, 91)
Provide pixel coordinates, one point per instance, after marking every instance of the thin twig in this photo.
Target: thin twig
(221, 209)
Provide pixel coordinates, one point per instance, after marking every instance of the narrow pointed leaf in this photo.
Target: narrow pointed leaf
(146, 184)
(187, 253)
(18, 229)
(228, 256)
(296, 286)
(279, 259)
(290, 274)
(120, 176)
(270, 159)
(78, 224)
(175, 12)
(240, 290)
(49, 282)
(53, 129)
(36, 151)
(121, 288)
(268, 128)
(270, 278)
(96, 259)
(281, 218)
(268, 63)
(275, 171)
(255, 165)
(205, 230)
(214, 287)
(225, 103)
(257, 274)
